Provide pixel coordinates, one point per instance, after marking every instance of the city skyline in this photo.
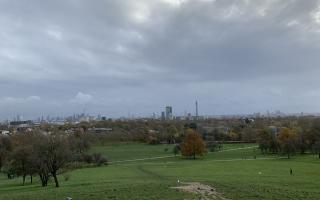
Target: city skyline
(166, 114)
(118, 57)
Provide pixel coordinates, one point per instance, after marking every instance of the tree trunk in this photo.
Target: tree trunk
(194, 156)
(44, 179)
(319, 155)
(31, 179)
(288, 155)
(23, 179)
(55, 179)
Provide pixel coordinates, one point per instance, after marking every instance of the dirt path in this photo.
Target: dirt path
(140, 159)
(236, 149)
(162, 157)
(204, 192)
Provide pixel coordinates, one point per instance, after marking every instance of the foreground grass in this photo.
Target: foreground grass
(236, 174)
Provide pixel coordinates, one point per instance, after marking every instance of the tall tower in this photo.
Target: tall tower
(197, 114)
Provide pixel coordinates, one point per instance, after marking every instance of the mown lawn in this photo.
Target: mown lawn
(127, 151)
(235, 173)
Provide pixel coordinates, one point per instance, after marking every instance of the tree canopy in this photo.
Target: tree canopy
(193, 145)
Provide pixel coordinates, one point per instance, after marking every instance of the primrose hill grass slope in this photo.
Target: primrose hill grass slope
(234, 174)
(128, 151)
(134, 151)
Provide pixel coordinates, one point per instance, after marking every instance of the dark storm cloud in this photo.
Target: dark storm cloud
(137, 56)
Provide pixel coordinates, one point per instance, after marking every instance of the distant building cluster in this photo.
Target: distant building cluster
(167, 114)
(18, 122)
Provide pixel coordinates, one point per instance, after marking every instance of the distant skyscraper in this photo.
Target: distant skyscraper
(19, 118)
(168, 112)
(197, 114)
(163, 116)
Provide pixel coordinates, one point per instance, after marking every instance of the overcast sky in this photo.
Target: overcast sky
(114, 57)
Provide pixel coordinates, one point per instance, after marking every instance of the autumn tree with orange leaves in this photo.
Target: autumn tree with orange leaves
(193, 145)
(288, 140)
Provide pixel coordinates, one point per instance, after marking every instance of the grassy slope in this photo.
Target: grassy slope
(126, 151)
(151, 179)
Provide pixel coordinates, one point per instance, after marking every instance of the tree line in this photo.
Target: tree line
(44, 154)
(51, 150)
(301, 137)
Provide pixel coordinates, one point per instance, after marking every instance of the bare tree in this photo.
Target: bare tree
(58, 153)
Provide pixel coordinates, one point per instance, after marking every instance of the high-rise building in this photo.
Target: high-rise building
(197, 114)
(163, 116)
(19, 118)
(168, 112)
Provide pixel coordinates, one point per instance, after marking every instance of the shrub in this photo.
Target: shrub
(99, 159)
(87, 158)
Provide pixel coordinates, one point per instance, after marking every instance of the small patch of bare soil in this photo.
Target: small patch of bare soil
(203, 191)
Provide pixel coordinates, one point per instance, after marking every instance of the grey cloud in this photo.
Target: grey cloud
(137, 56)
(82, 98)
(15, 100)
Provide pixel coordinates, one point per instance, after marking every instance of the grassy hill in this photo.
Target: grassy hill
(234, 172)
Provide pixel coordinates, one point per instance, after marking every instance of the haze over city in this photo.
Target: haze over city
(118, 57)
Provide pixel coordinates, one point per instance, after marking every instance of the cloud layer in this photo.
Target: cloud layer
(116, 57)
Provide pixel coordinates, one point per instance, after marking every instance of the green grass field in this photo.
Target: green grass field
(234, 173)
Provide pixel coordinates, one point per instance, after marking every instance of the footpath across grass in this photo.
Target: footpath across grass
(128, 151)
(235, 174)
